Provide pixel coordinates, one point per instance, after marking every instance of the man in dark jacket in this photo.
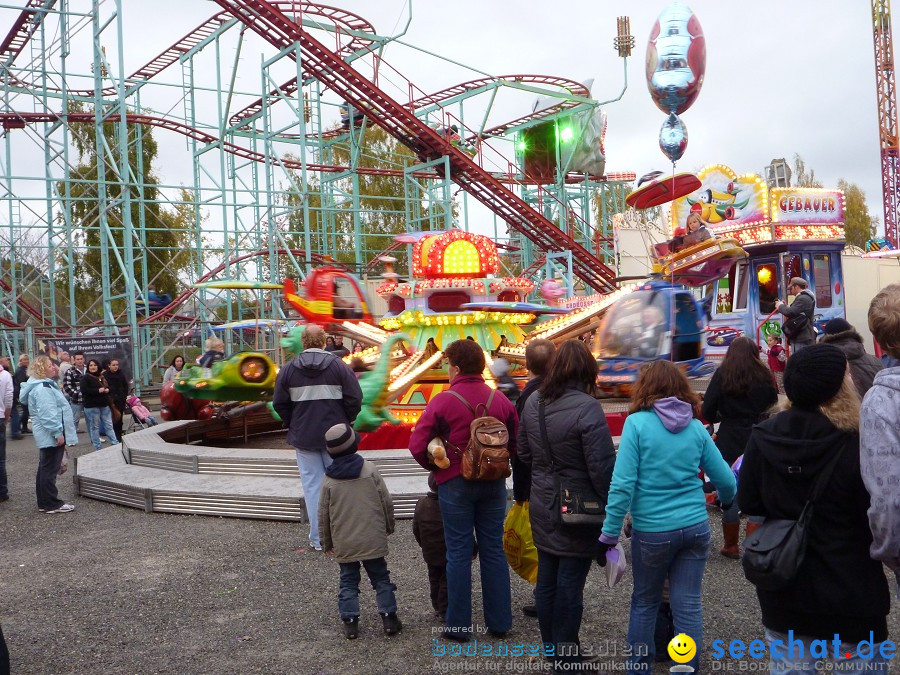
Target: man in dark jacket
(314, 392)
(20, 409)
(804, 303)
(863, 366)
(538, 354)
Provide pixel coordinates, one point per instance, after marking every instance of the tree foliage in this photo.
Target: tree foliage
(859, 225)
(381, 201)
(803, 177)
(165, 250)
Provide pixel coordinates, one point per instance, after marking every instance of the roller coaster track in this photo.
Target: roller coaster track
(269, 22)
(346, 24)
(166, 311)
(24, 305)
(15, 120)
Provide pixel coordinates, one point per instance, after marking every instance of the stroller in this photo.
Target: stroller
(141, 418)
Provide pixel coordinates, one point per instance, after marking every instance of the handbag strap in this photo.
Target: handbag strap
(542, 418)
(822, 479)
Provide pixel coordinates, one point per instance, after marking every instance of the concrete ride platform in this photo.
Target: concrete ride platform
(150, 473)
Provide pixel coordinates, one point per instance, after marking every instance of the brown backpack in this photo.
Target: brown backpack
(486, 456)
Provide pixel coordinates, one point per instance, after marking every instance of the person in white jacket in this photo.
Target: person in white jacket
(879, 433)
(53, 426)
(6, 403)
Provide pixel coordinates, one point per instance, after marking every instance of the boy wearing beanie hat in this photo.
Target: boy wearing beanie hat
(880, 433)
(356, 515)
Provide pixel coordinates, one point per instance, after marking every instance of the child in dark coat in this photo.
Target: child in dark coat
(428, 529)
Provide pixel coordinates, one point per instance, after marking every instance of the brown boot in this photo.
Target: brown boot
(731, 532)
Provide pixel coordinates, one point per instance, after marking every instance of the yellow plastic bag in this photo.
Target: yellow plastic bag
(518, 543)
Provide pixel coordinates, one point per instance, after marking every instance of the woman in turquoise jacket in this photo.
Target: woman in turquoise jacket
(662, 450)
(53, 428)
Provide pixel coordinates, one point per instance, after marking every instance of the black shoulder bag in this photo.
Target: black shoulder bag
(774, 553)
(577, 506)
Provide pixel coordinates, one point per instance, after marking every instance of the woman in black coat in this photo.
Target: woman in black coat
(739, 394)
(118, 392)
(839, 589)
(580, 450)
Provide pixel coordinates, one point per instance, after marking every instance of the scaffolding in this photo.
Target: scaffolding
(302, 146)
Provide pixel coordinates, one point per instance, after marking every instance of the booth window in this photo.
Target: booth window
(767, 281)
(822, 276)
(740, 283)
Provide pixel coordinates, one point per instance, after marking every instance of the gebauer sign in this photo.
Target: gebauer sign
(807, 205)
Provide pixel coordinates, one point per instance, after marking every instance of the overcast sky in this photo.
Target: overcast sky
(781, 78)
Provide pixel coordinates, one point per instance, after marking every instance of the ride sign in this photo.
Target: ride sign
(807, 205)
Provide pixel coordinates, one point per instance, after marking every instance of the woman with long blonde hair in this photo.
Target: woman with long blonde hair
(839, 590)
(52, 427)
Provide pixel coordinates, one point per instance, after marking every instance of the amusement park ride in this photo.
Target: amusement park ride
(456, 287)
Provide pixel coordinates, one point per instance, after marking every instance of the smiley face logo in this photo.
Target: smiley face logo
(682, 648)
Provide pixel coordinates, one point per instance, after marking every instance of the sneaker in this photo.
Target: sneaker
(529, 610)
(65, 508)
(18, 437)
(392, 624)
(4, 498)
(316, 547)
(351, 628)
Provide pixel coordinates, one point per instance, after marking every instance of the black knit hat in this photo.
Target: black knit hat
(814, 375)
(837, 326)
(341, 440)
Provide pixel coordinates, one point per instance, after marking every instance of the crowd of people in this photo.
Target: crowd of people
(835, 432)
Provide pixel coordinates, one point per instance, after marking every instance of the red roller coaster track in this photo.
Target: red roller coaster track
(269, 22)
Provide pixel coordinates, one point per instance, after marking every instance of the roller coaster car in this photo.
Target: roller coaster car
(658, 320)
(697, 265)
(329, 296)
(249, 376)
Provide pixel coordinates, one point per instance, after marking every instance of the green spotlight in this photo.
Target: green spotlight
(521, 146)
(566, 134)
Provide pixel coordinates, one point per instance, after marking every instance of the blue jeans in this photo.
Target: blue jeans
(348, 596)
(4, 490)
(77, 412)
(559, 595)
(45, 479)
(792, 657)
(312, 465)
(681, 555)
(99, 423)
(469, 508)
(17, 419)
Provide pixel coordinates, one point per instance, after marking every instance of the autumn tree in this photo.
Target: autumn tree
(163, 250)
(859, 225)
(804, 177)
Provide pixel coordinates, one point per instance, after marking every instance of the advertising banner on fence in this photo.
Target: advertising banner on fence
(97, 347)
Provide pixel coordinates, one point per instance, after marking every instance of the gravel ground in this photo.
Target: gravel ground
(108, 589)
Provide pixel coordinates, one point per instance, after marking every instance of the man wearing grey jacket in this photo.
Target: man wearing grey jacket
(880, 433)
(804, 303)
